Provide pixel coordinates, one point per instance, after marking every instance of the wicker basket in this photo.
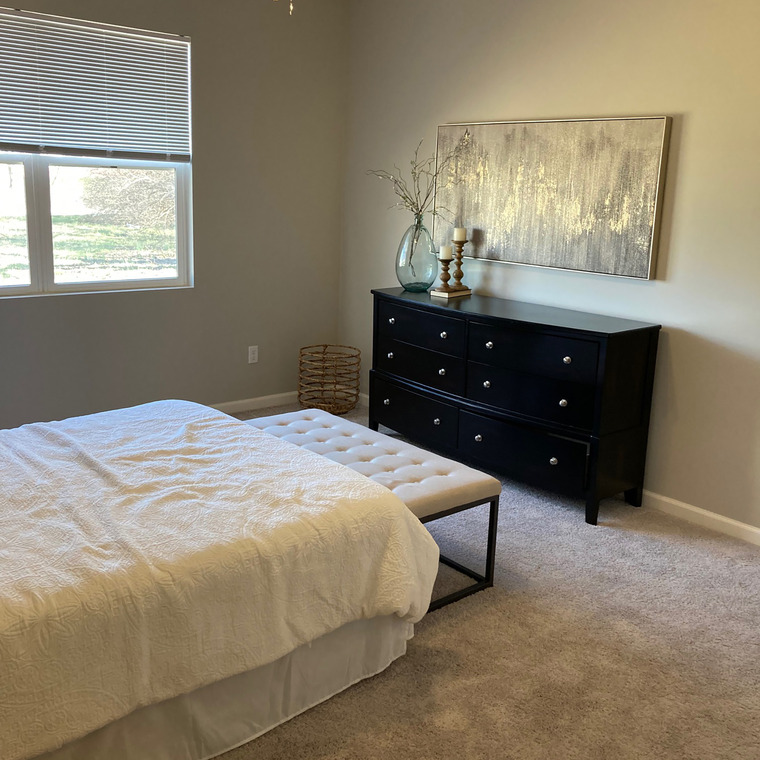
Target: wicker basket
(328, 378)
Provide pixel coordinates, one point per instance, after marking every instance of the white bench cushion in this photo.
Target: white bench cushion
(425, 482)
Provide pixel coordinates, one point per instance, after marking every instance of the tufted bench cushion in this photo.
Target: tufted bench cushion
(425, 482)
(430, 485)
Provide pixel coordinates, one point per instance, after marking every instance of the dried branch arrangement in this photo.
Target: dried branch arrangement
(416, 195)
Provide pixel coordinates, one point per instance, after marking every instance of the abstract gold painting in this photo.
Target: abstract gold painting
(575, 194)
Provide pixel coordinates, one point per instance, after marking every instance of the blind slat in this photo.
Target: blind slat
(74, 86)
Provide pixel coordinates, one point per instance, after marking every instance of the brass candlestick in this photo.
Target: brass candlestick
(458, 288)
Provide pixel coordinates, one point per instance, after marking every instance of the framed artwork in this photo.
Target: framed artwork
(575, 194)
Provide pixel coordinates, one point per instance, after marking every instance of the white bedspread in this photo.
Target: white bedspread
(148, 551)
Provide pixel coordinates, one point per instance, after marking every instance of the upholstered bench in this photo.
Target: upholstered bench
(430, 485)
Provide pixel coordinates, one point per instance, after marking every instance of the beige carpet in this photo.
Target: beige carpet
(638, 638)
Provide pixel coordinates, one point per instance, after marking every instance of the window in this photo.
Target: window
(94, 157)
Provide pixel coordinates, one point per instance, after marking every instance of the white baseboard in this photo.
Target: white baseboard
(702, 517)
(260, 402)
(277, 399)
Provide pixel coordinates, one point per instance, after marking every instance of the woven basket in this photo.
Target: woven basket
(328, 378)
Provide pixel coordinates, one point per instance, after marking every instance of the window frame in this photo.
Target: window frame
(39, 224)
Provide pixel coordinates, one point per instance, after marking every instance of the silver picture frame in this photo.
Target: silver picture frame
(573, 194)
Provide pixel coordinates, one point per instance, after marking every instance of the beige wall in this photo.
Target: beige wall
(269, 101)
(419, 63)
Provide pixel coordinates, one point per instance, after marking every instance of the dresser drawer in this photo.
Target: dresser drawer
(555, 356)
(436, 370)
(545, 398)
(413, 414)
(433, 331)
(548, 461)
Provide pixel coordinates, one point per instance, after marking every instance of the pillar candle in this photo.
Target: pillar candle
(460, 233)
(445, 253)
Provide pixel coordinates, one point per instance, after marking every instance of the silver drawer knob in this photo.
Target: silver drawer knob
(554, 461)
(478, 437)
(386, 401)
(390, 354)
(489, 344)
(563, 402)
(441, 372)
(487, 384)
(436, 421)
(568, 360)
(391, 320)
(444, 335)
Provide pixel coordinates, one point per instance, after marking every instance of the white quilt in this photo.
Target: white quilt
(148, 551)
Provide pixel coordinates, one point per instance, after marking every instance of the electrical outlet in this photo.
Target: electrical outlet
(253, 354)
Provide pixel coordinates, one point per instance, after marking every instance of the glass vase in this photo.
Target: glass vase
(416, 260)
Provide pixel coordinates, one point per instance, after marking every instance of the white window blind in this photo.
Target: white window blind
(80, 88)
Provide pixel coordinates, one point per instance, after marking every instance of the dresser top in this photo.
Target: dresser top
(516, 311)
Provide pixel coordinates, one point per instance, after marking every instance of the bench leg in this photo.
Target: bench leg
(481, 581)
(493, 524)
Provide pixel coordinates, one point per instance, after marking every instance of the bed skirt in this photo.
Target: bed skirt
(223, 715)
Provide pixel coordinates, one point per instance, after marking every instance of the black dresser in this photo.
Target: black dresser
(552, 397)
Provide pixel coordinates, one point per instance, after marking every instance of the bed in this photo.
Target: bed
(174, 582)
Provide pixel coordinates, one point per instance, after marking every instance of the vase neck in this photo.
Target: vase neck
(418, 219)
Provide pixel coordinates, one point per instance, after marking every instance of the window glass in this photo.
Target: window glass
(113, 223)
(14, 241)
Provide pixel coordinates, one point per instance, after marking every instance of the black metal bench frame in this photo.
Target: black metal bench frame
(482, 581)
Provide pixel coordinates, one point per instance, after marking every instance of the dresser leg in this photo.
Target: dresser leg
(592, 510)
(374, 425)
(634, 495)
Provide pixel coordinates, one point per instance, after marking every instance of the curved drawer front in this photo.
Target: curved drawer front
(414, 414)
(545, 398)
(433, 331)
(546, 460)
(555, 356)
(436, 370)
